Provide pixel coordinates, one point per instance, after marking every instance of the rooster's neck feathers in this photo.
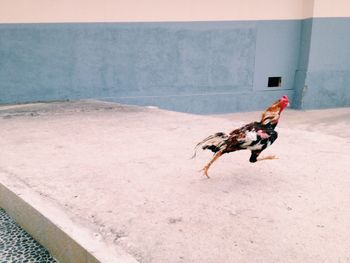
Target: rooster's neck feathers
(271, 115)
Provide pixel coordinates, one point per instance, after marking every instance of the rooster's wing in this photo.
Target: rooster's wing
(251, 136)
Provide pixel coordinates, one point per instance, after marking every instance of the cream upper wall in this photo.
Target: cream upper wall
(22, 11)
(332, 8)
(37, 11)
(308, 8)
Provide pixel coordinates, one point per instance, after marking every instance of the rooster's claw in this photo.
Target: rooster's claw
(205, 171)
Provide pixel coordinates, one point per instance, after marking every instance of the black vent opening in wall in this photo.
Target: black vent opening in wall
(274, 82)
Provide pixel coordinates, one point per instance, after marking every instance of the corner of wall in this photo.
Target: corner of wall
(303, 64)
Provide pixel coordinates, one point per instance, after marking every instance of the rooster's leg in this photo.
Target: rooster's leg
(270, 157)
(255, 157)
(206, 168)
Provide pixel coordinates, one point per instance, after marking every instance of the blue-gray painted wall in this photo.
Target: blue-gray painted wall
(323, 76)
(303, 63)
(198, 67)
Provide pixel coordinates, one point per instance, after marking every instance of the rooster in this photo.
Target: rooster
(255, 136)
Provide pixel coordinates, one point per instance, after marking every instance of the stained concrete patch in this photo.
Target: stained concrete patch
(17, 246)
(126, 172)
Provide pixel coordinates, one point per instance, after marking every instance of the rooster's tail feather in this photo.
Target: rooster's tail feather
(214, 143)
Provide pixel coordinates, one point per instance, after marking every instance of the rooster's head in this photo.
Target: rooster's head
(272, 114)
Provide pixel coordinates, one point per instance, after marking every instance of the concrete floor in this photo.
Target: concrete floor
(125, 172)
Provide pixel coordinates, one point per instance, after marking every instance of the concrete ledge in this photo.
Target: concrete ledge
(51, 227)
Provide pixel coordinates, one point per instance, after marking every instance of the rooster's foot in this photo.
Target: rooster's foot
(205, 171)
(269, 157)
